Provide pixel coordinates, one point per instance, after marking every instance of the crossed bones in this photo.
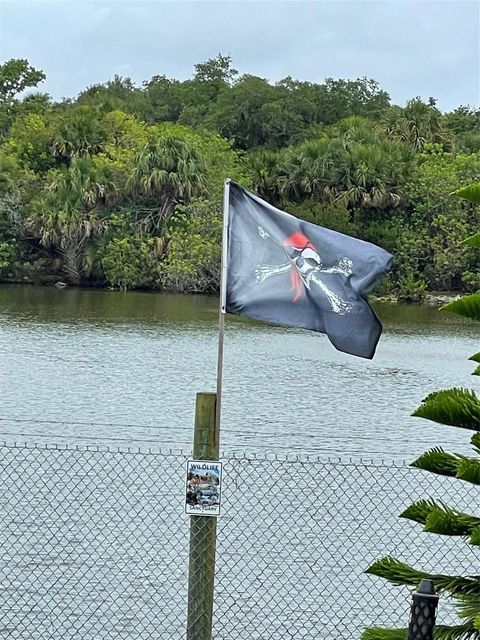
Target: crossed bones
(308, 265)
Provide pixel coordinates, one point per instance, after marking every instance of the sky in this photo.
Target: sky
(411, 47)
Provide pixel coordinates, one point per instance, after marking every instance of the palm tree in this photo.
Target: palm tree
(80, 132)
(168, 171)
(307, 170)
(67, 214)
(264, 171)
(418, 124)
(358, 168)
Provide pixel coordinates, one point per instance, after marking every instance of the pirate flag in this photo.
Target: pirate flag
(287, 271)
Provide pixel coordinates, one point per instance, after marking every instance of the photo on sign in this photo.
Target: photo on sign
(203, 488)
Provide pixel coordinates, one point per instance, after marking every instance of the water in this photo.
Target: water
(83, 366)
(95, 542)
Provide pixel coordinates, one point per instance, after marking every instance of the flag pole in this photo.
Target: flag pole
(203, 530)
(222, 307)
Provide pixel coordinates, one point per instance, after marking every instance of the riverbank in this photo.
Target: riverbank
(432, 298)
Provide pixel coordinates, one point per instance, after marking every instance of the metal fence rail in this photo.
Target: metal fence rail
(94, 545)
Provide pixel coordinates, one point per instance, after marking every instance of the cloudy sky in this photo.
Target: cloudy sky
(412, 47)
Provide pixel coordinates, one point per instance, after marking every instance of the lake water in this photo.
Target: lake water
(83, 366)
(95, 543)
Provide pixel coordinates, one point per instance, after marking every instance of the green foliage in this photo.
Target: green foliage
(437, 461)
(117, 94)
(80, 131)
(418, 124)
(192, 264)
(334, 216)
(471, 193)
(442, 221)
(16, 75)
(460, 408)
(410, 289)
(130, 262)
(473, 241)
(335, 153)
(439, 518)
(29, 141)
(8, 252)
(376, 633)
(456, 407)
(468, 306)
(449, 464)
(399, 573)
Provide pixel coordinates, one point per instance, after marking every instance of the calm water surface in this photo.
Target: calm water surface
(83, 366)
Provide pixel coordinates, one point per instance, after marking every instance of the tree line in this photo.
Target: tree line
(121, 186)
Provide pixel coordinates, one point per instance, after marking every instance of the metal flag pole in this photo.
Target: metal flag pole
(203, 529)
(222, 308)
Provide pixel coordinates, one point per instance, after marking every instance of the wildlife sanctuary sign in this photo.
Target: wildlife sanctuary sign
(203, 488)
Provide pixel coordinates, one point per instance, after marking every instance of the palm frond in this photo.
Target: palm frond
(437, 461)
(472, 241)
(401, 574)
(475, 540)
(456, 407)
(453, 465)
(467, 306)
(439, 518)
(475, 442)
(470, 193)
(441, 632)
(376, 633)
(457, 632)
(468, 469)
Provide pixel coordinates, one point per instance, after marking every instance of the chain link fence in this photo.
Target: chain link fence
(94, 544)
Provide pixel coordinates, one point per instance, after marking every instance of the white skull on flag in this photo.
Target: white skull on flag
(305, 267)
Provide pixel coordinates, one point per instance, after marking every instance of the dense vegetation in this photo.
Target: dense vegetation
(459, 408)
(122, 185)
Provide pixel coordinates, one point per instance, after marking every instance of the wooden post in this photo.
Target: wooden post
(203, 529)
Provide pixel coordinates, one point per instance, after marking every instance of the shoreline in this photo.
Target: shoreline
(432, 298)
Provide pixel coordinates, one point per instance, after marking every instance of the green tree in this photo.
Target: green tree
(164, 99)
(29, 140)
(443, 221)
(263, 167)
(237, 111)
(117, 94)
(360, 97)
(15, 183)
(168, 171)
(192, 263)
(80, 131)
(459, 408)
(16, 75)
(130, 262)
(418, 124)
(69, 213)
(348, 163)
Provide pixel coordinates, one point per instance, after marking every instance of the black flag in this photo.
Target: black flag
(287, 271)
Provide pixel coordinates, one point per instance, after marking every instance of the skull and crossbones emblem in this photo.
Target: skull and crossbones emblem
(305, 267)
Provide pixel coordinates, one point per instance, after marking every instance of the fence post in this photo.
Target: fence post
(203, 529)
(423, 612)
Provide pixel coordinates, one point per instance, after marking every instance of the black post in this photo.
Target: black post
(423, 612)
